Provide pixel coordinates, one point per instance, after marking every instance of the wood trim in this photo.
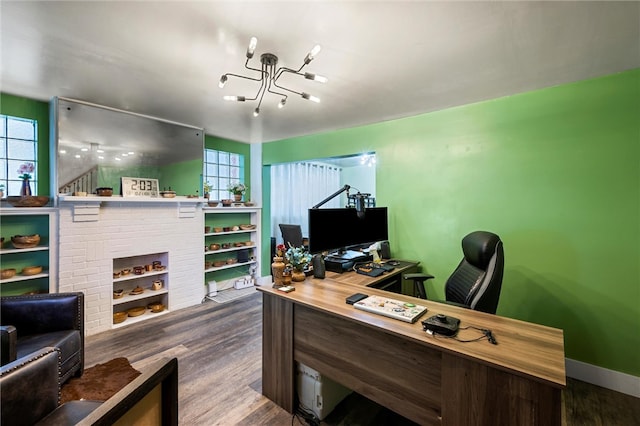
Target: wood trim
(278, 375)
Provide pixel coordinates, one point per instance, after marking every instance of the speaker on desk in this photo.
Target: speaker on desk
(385, 250)
(318, 266)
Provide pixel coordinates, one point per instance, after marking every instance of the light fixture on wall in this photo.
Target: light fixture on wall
(269, 76)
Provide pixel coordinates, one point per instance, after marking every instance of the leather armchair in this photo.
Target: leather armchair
(477, 281)
(30, 391)
(30, 395)
(32, 322)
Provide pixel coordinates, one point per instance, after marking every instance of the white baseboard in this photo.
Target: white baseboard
(610, 379)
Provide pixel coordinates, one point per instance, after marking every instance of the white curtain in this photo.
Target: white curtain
(296, 187)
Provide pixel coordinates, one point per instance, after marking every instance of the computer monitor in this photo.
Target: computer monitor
(338, 230)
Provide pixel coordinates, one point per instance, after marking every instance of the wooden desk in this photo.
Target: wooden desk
(430, 380)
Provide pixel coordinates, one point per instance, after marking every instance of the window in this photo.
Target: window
(220, 169)
(18, 145)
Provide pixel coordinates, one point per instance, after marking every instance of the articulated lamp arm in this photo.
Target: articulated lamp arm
(332, 196)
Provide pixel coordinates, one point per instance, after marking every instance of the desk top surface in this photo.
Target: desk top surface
(524, 348)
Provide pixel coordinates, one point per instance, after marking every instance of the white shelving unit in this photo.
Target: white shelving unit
(228, 217)
(28, 221)
(128, 282)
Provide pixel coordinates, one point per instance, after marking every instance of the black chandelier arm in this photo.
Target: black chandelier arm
(288, 90)
(244, 76)
(285, 69)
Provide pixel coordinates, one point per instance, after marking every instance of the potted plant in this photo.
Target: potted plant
(298, 258)
(237, 189)
(207, 189)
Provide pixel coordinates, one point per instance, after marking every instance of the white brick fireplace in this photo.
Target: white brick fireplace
(93, 233)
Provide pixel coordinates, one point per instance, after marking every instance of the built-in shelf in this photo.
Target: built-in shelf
(145, 280)
(28, 221)
(147, 315)
(233, 265)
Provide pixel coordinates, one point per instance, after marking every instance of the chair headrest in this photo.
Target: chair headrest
(478, 248)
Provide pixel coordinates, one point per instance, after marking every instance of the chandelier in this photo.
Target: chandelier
(269, 76)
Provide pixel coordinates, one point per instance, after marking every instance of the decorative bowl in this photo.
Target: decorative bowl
(31, 270)
(213, 203)
(249, 204)
(238, 244)
(159, 267)
(7, 273)
(226, 229)
(137, 311)
(227, 203)
(104, 192)
(119, 317)
(28, 201)
(156, 307)
(125, 271)
(219, 263)
(217, 229)
(247, 227)
(137, 290)
(232, 261)
(80, 194)
(214, 246)
(208, 265)
(117, 294)
(248, 243)
(207, 229)
(168, 194)
(116, 274)
(25, 241)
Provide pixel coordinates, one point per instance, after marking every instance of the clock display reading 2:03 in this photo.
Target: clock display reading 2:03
(139, 187)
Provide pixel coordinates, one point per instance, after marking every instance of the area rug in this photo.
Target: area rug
(232, 294)
(100, 382)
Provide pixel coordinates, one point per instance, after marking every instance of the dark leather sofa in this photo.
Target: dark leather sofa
(30, 395)
(32, 322)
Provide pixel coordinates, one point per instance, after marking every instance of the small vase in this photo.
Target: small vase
(298, 276)
(25, 190)
(237, 197)
(277, 269)
(286, 278)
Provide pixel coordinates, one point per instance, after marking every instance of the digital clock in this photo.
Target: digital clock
(139, 187)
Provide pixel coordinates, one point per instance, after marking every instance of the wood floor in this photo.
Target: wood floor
(218, 347)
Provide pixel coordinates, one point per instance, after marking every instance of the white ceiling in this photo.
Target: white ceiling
(384, 60)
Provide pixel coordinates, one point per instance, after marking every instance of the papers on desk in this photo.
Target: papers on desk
(392, 308)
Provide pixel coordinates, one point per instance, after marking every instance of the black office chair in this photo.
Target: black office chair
(292, 235)
(476, 282)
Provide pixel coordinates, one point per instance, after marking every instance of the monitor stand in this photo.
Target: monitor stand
(344, 260)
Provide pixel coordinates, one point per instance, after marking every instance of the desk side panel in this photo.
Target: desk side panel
(476, 394)
(278, 380)
(403, 376)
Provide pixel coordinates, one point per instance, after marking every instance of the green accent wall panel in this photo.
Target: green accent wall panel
(554, 172)
(221, 144)
(33, 110)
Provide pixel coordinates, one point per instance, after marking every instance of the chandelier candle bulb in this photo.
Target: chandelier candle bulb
(252, 47)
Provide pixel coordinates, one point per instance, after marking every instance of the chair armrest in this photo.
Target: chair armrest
(30, 387)
(8, 344)
(418, 277)
(42, 313)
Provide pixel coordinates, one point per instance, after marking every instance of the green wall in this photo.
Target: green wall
(31, 109)
(554, 172)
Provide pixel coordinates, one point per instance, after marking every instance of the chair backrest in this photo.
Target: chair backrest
(291, 234)
(477, 280)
